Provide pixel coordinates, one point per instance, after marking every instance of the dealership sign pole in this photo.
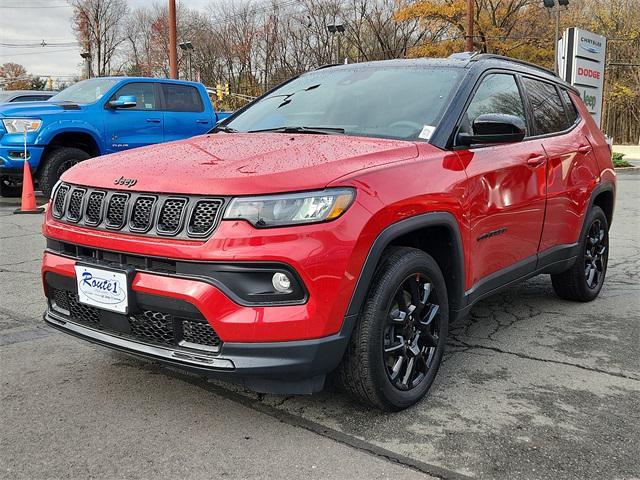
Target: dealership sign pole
(583, 66)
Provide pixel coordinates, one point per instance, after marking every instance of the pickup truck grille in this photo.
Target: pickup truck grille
(137, 213)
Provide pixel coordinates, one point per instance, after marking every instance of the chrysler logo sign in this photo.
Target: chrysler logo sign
(590, 45)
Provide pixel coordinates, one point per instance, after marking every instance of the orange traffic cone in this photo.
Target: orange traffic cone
(28, 195)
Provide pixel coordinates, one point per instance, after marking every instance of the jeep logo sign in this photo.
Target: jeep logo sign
(583, 66)
(125, 182)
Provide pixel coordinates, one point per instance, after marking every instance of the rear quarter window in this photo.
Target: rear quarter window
(572, 111)
(548, 110)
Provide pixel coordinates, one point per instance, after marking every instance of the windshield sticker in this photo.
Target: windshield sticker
(426, 132)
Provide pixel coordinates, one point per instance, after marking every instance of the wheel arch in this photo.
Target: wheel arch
(75, 139)
(604, 198)
(436, 233)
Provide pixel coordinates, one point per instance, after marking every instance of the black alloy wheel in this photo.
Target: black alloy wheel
(410, 338)
(595, 255)
(398, 341)
(583, 281)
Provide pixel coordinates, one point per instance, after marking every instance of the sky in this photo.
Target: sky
(32, 21)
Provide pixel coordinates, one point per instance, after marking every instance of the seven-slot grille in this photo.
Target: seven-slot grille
(116, 210)
(74, 211)
(138, 213)
(141, 213)
(171, 215)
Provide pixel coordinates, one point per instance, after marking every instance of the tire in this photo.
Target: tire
(55, 164)
(10, 188)
(369, 370)
(584, 280)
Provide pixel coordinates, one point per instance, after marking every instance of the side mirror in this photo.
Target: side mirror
(494, 128)
(124, 101)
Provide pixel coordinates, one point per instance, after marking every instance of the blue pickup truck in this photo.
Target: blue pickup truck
(95, 117)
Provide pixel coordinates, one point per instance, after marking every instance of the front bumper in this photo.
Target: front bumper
(275, 367)
(12, 159)
(238, 354)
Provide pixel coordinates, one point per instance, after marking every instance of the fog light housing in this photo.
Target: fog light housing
(281, 282)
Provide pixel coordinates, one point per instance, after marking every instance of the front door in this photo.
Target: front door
(135, 126)
(506, 191)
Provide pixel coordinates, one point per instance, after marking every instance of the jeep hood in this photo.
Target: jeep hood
(240, 164)
(35, 109)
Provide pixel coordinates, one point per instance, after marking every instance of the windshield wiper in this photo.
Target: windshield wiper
(222, 128)
(310, 130)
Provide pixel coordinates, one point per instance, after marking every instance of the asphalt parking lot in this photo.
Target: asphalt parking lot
(532, 387)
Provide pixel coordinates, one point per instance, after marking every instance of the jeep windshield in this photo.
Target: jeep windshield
(401, 102)
(86, 91)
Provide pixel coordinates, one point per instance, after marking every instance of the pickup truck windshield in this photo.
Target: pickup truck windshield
(388, 102)
(86, 91)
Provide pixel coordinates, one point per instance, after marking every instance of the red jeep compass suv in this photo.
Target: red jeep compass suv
(338, 223)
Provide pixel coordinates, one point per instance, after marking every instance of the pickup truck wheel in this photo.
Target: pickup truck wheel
(584, 280)
(396, 348)
(55, 164)
(10, 187)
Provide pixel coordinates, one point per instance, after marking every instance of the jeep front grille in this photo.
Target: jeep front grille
(59, 202)
(74, 210)
(116, 210)
(93, 212)
(171, 215)
(138, 213)
(141, 213)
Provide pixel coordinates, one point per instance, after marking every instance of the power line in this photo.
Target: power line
(35, 7)
(39, 53)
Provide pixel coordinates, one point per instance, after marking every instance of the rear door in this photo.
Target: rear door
(572, 167)
(184, 112)
(136, 126)
(506, 190)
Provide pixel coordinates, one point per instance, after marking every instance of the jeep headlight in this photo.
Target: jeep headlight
(19, 125)
(291, 208)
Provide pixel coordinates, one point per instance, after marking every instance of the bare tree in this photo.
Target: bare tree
(99, 28)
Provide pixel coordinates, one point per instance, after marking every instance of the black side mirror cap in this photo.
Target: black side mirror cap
(494, 128)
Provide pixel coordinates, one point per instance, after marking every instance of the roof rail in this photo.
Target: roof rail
(492, 56)
(463, 55)
(327, 66)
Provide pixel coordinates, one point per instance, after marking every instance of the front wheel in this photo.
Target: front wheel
(55, 164)
(584, 280)
(396, 348)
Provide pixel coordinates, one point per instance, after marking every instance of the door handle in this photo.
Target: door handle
(584, 149)
(202, 121)
(153, 120)
(536, 161)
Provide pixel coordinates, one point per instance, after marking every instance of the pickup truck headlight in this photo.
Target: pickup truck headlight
(18, 125)
(291, 208)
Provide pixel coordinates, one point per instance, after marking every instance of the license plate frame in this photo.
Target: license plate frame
(104, 287)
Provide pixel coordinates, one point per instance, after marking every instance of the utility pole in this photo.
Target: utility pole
(173, 54)
(555, 43)
(556, 10)
(468, 44)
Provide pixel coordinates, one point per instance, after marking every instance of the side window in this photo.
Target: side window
(572, 111)
(498, 93)
(182, 98)
(144, 93)
(546, 106)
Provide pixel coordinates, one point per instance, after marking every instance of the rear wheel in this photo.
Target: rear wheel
(584, 280)
(55, 164)
(397, 345)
